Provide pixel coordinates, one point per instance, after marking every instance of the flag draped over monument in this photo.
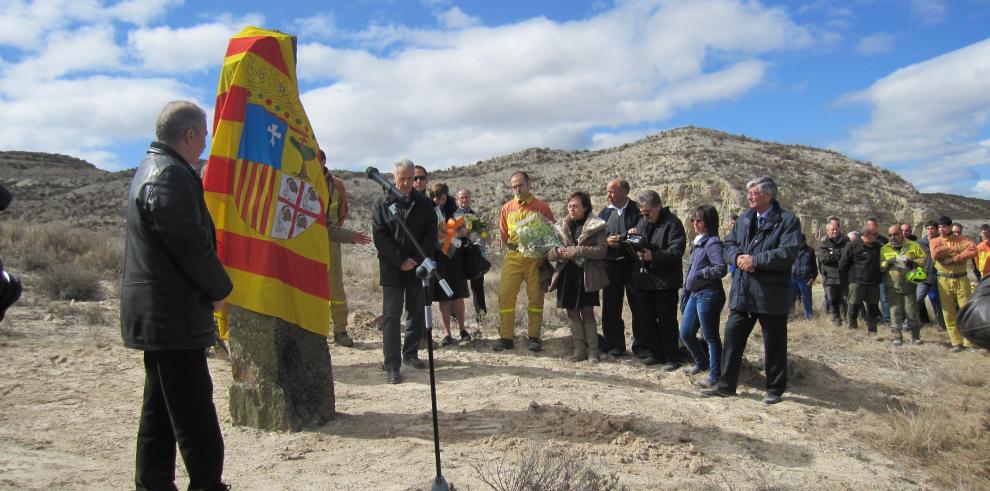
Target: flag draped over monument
(264, 185)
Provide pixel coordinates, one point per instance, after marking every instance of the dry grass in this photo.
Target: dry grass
(546, 467)
(37, 247)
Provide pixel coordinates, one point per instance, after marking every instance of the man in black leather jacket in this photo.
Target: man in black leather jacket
(173, 282)
(763, 246)
(397, 263)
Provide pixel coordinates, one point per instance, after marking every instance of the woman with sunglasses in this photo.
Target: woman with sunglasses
(704, 295)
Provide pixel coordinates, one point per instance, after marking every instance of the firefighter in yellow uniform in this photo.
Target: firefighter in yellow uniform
(951, 254)
(983, 252)
(517, 268)
(898, 257)
(336, 214)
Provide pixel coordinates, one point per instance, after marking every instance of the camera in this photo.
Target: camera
(635, 242)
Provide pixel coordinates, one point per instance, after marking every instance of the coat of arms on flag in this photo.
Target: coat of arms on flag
(264, 185)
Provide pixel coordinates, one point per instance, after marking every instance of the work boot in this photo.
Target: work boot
(578, 341)
(591, 336)
(853, 314)
(343, 339)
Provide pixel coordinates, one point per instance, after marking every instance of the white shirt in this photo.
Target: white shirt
(618, 209)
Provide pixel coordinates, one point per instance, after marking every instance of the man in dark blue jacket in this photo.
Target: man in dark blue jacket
(803, 274)
(620, 215)
(173, 282)
(763, 246)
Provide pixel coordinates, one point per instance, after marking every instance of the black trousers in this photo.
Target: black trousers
(655, 323)
(478, 296)
(737, 331)
(178, 408)
(836, 295)
(613, 327)
(394, 298)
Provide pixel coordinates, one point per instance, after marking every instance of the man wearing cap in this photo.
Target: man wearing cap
(951, 253)
(898, 258)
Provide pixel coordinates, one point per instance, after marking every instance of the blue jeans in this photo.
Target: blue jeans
(703, 309)
(800, 287)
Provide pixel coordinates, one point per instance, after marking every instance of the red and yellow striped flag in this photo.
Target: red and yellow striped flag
(264, 185)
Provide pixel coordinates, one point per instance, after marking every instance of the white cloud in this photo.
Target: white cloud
(455, 18)
(82, 117)
(65, 52)
(448, 97)
(982, 189)
(928, 11)
(318, 26)
(931, 113)
(24, 24)
(609, 140)
(171, 50)
(876, 44)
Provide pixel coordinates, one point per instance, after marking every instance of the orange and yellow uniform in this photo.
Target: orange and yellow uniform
(983, 258)
(517, 268)
(951, 254)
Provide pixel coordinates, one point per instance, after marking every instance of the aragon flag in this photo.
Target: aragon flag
(264, 185)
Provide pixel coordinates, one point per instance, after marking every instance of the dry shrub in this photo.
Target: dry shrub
(62, 282)
(544, 468)
(90, 313)
(36, 247)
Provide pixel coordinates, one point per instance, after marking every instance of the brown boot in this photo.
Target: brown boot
(577, 338)
(591, 338)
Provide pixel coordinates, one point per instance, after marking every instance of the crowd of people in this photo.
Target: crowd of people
(632, 252)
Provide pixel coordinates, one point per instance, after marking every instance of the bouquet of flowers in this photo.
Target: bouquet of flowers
(537, 235)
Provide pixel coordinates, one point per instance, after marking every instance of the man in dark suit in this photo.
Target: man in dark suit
(397, 261)
(620, 215)
(763, 246)
(173, 282)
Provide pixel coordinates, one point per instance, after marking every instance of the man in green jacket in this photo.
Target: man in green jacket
(897, 258)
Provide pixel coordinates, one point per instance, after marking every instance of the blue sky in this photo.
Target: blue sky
(904, 84)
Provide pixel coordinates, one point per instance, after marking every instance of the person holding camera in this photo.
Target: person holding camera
(580, 273)
(620, 215)
(860, 262)
(899, 257)
(834, 281)
(657, 281)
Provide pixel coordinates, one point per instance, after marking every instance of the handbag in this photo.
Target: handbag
(475, 264)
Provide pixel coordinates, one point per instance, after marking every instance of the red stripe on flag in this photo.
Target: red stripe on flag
(239, 197)
(264, 258)
(249, 193)
(268, 202)
(261, 187)
(263, 46)
(219, 176)
(231, 105)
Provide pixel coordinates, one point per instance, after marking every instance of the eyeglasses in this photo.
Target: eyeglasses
(419, 178)
(753, 194)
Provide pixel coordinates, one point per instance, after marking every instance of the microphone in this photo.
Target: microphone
(390, 188)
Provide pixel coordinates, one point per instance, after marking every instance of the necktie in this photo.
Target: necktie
(759, 223)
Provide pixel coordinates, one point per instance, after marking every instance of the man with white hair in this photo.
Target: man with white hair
(397, 261)
(173, 283)
(763, 246)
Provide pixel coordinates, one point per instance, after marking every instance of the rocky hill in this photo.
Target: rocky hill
(687, 166)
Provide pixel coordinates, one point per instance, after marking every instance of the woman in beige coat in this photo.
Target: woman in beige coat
(580, 273)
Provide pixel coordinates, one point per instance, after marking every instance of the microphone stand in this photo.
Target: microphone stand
(426, 270)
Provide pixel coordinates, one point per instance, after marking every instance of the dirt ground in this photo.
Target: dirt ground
(70, 396)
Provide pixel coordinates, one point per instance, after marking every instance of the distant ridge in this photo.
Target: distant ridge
(688, 166)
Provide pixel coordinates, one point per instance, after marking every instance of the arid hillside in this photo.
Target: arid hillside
(688, 166)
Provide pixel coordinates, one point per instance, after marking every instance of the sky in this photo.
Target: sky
(904, 84)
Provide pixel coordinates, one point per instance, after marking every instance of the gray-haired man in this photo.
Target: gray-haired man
(763, 246)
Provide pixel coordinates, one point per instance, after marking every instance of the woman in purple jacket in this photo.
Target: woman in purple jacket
(704, 295)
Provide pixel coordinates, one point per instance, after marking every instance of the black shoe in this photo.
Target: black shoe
(393, 376)
(343, 339)
(669, 367)
(714, 392)
(617, 352)
(694, 370)
(465, 336)
(772, 398)
(535, 344)
(446, 341)
(649, 360)
(415, 363)
(502, 344)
